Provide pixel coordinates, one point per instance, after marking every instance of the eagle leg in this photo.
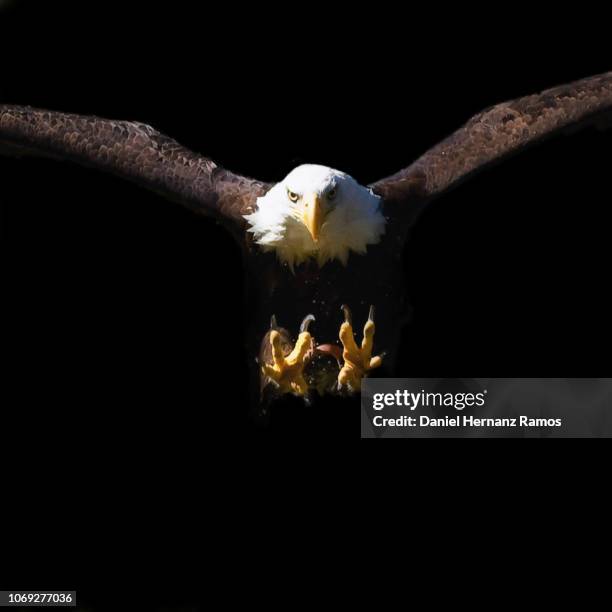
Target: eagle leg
(358, 361)
(283, 365)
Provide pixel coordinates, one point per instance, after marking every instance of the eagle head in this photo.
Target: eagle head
(317, 212)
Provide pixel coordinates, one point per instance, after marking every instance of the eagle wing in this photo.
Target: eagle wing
(496, 132)
(133, 151)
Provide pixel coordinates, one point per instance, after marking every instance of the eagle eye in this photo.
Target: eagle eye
(292, 196)
(331, 194)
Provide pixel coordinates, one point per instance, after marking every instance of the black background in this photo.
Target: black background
(125, 312)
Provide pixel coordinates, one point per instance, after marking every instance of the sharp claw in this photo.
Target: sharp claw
(273, 324)
(306, 322)
(371, 314)
(347, 314)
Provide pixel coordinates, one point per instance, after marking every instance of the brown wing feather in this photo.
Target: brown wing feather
(496, 132)
(134, 151)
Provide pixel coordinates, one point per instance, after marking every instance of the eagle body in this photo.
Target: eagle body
(317, 240)
(375, 278)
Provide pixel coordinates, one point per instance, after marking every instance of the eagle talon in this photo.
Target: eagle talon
(358, 361)
(347, 314)
(285, 368)
(306, 322)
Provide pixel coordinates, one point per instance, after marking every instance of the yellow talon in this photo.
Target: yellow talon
(287, 370)
(357, 361)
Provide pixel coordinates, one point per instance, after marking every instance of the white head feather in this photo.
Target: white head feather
(351, 221)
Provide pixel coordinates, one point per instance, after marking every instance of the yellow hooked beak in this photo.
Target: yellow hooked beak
(312, 214)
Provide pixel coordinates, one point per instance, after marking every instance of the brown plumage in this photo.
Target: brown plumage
(139, 153)
(496, 132)
(133, 151)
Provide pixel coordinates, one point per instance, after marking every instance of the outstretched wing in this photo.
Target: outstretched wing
(496, 132)
(133, 151)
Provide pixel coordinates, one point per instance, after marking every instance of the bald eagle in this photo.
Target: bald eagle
(319, 246)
